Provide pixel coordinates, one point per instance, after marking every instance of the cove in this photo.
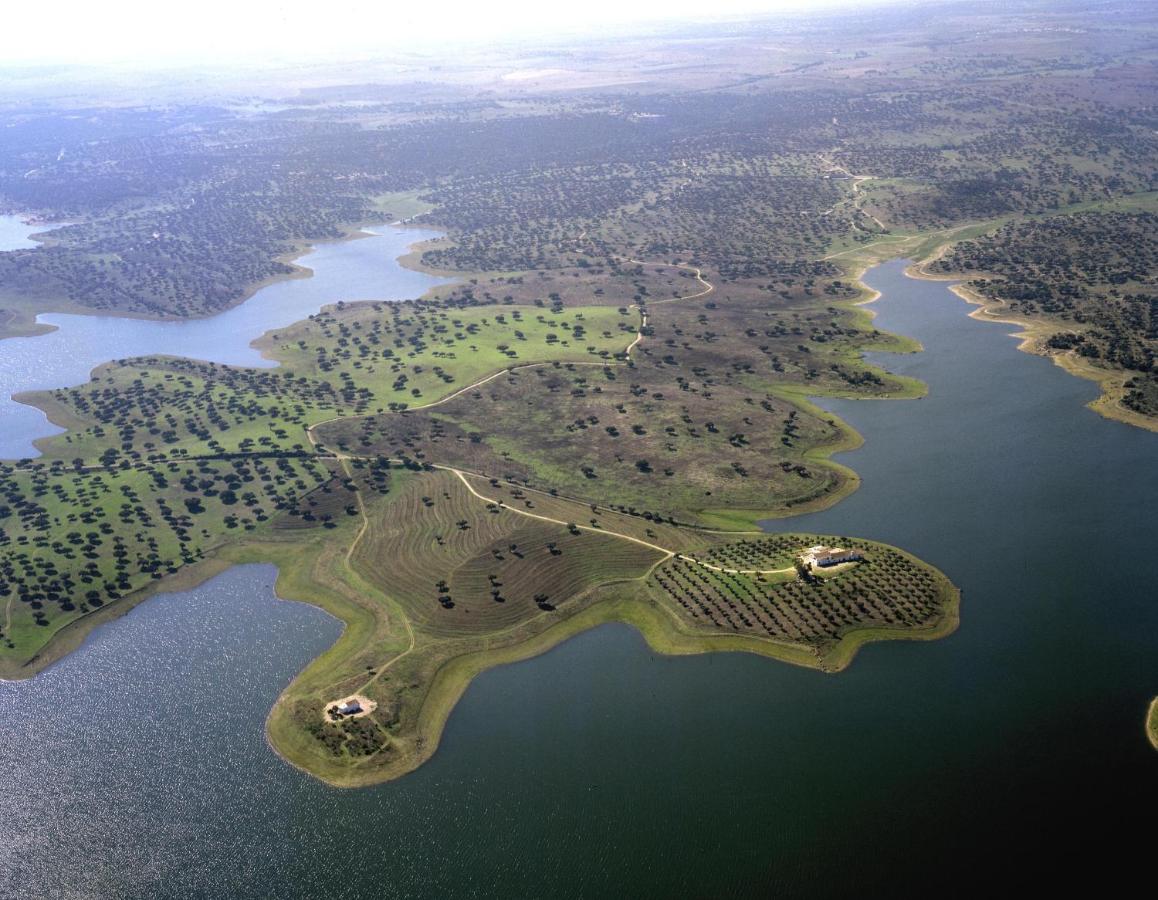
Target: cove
(1011, 752)
(16, 232)
(362, 269)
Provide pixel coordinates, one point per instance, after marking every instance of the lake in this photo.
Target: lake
(362, 269)
(1009, 753)
(16, 232)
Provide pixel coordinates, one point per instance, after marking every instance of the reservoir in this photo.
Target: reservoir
(16, 232)
(137, 766)
(362, 269)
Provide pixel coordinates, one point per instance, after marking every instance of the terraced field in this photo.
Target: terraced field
(474, 571)
(460, 566)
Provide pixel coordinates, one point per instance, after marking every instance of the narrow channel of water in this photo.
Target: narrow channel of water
(363, 269)
(1008, 753)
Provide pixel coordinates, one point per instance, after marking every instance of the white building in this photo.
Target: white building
(830, 556)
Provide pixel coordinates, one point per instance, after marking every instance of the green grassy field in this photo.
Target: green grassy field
(167, 460)
(77, 540)
(401, 356)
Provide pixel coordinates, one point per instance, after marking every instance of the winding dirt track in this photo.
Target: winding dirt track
(707, 288)
(666, 552)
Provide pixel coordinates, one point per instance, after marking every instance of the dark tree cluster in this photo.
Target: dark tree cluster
(1093, 273)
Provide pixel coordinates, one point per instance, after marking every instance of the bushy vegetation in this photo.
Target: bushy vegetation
(744, 168)
(75, 538)
(1093, 275)
(698, 419)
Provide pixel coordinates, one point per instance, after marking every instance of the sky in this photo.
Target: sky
(181, 31)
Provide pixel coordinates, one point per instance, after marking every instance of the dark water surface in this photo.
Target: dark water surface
(362, 269)
(137, 766)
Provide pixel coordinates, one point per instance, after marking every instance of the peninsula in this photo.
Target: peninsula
(401, 468)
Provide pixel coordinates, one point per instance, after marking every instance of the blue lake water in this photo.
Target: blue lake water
(16, 232)
(363, 269)
(1011, 753)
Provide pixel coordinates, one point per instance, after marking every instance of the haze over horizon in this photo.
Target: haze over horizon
(140, 32)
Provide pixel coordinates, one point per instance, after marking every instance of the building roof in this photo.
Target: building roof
(837, 554)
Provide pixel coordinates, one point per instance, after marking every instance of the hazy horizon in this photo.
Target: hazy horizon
(139, 33)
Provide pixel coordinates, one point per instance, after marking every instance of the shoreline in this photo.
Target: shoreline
(36, 397)
(72, 636)
(1030, 336)
(298, 251)
(38, 329)
(847, 439)
(304, 576)
(660, 629)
